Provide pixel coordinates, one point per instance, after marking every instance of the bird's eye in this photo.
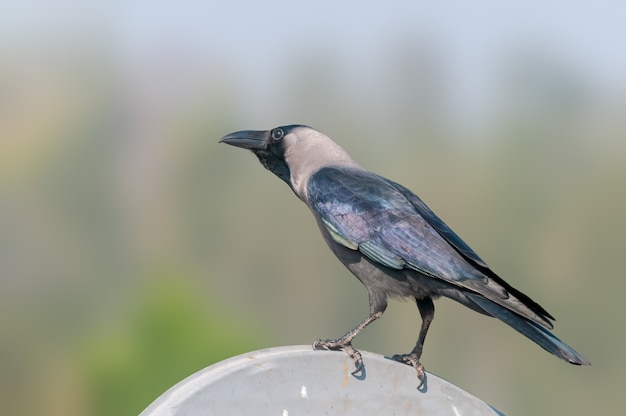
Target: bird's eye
(277, 134)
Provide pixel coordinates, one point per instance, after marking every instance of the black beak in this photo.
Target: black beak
(246, 139)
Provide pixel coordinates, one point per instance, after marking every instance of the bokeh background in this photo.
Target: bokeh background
(136, 250)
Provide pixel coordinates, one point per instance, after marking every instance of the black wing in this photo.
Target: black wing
(392, 226)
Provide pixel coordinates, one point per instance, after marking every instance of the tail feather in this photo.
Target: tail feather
(535, 332)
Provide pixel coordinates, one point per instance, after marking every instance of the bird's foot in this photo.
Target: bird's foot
(341, 344)
(414, 361)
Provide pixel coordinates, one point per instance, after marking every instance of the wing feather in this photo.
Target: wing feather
(392, 226)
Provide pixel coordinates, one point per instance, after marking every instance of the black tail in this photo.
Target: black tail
(535, 332)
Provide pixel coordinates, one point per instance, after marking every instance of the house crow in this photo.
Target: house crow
(391, 241)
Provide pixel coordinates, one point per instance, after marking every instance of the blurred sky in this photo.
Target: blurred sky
(258, 39)
(135, 250)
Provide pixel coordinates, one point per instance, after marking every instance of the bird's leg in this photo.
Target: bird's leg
(345, 342)
(427, 311)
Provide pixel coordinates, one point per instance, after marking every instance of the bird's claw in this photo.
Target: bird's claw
(356, 356)
(414, 361)
(336, 345)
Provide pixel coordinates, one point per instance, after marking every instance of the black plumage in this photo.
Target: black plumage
(391, 241)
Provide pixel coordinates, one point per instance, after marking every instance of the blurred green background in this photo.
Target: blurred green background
(136, 250)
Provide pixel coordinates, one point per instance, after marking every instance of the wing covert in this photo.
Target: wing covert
(364, 211)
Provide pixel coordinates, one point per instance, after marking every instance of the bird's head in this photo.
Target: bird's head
(293, 153)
